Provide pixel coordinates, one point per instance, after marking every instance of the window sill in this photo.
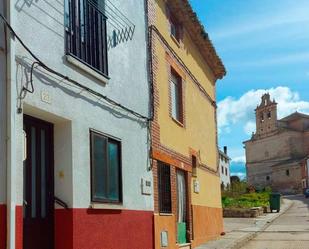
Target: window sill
(176, 41)
(166, 214)
(178, 122)
(86, 69)
(106, 206)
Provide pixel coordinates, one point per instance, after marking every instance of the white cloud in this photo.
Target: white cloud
(240, 111)
(249, 127)
(239, 159)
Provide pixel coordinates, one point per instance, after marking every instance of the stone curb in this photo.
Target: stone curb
(245, 239)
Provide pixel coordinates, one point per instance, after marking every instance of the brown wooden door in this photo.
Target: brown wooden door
(38, 211)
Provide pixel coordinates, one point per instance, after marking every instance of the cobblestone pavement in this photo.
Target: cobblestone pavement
(289, 231)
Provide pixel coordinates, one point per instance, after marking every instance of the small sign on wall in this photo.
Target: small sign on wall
(45, 97)
(146, 186)
(196, 186)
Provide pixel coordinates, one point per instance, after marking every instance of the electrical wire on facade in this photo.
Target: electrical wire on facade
(153, 28)
(38, 62)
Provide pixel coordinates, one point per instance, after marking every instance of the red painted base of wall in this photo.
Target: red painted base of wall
(19, 227)
(2, 226)
(103, 229)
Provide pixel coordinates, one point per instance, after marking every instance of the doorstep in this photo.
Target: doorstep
(185, 246)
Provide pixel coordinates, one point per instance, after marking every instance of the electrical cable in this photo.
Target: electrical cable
(43, 65)
(119, 12)
(199, 85)
(31, 79)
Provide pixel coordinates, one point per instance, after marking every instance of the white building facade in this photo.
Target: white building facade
(75, 169)
(224, 166)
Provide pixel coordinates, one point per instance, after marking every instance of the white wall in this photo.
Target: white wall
(2, 112)
(224, 178)
(74, 112)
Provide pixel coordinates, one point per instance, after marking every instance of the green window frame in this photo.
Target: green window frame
(106, 177)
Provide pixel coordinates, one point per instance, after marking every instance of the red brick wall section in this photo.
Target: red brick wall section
(2, 226)
(155, 186)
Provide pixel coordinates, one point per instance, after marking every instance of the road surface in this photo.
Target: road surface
(289, 231)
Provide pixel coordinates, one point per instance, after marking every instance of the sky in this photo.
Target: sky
(264, 45)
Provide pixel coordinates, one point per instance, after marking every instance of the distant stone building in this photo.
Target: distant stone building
(277, 153)
(224, 166)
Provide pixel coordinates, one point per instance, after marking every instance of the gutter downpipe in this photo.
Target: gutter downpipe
(11, 132)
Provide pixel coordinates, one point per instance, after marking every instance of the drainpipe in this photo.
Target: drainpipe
(10, 126)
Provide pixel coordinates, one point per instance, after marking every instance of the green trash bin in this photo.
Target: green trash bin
(274, 202)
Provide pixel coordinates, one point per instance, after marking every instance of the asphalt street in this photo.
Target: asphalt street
(289, 231)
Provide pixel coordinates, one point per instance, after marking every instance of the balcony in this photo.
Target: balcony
(86, 38)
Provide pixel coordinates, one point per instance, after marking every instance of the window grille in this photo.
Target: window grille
(86, 37)
(164, 182)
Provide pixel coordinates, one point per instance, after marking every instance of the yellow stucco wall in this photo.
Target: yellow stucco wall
(188, 52)
(210, 192)
(200, 128)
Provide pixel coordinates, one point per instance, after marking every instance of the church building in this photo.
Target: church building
(277, 153)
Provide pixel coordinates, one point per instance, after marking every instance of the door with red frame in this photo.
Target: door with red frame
(38, 208)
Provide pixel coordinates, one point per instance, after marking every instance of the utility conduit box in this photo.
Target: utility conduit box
(146, 186)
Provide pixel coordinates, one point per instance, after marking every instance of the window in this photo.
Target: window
(164, 185)
(267, 178)
(86, 39)
(175, 28)
(262, 117)
(269, 114)
(222, 169)
(287, 172)
(106, 182)
(176, 96)
(304, 183)
(226, 171)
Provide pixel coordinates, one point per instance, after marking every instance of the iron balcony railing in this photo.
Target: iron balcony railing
(86, 37)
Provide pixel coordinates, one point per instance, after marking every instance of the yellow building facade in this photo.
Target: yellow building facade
(184, 69)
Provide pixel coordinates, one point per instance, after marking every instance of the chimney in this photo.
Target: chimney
(225, 150)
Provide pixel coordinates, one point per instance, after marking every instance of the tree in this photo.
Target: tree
(235, 179)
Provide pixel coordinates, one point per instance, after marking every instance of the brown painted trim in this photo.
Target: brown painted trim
(175, 66)
(169, 159)
(182, 10)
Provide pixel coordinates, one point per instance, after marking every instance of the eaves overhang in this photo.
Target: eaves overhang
(183, 11)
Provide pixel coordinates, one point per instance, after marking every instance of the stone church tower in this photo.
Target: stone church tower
(277, 154)
(266, 116)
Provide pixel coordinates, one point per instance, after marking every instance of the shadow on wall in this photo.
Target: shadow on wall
(57, 9)
(41, 76)
(120, 31)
